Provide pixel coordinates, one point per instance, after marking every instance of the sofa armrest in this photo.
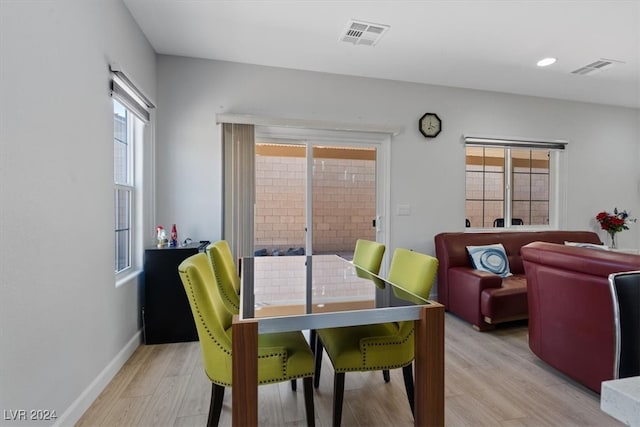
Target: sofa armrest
(474, 281)
(465, 288)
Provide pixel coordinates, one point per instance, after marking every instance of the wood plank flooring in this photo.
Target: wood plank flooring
(491, 379)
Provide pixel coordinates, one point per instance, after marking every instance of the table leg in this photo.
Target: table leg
(429, 366)
(244, 410)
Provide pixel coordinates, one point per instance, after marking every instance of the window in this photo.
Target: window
(124, 185)
(510, 183)
(130, 115)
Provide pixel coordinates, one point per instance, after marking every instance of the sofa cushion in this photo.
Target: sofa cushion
(586, 245)
(508, 302)
(490, 258)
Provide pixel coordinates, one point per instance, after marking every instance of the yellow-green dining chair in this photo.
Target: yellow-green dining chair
(381, 346)
(368, 255)
(281, 356)
(226, 273)
(227, 278)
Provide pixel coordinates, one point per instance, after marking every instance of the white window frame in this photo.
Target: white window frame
(558, 154)
(129, 187)
(139, 184)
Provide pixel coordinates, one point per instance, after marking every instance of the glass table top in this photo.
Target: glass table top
(302, 286)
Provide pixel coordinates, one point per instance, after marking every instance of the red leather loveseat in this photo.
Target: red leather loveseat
(571, 323)
(485, 299)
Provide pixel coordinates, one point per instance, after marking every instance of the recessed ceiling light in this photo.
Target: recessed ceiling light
(546, 61)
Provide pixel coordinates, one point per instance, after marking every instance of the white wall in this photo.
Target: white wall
(426, 174)
(62, 320)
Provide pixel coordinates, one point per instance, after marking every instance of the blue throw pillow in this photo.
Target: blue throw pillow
(491, 258)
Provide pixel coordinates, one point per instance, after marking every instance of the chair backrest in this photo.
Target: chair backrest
(213, 320)
(499, 222)
(625, 294)
(414, 271)
(226, 273)
(368, 255)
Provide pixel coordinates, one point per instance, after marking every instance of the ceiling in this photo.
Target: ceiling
(488, 45)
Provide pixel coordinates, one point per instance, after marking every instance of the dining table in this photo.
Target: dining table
(310, 292)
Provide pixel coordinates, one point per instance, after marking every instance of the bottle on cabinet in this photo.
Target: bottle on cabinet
(161, 236)
(174, 236)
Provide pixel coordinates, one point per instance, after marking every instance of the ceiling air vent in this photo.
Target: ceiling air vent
(596, 67)
(361, 32)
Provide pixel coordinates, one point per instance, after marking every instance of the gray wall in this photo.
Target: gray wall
(426, 174)
(62, 320)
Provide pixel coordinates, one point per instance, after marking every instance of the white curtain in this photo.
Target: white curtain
(238, 145)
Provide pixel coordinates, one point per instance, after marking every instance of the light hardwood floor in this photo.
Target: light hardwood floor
(491, 379)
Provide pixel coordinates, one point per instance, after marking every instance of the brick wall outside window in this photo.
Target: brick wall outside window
(485, 188)
(343, 207)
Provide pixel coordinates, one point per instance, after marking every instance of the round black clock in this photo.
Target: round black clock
(430, 125)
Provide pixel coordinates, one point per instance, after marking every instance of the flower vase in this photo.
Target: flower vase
(612, 241)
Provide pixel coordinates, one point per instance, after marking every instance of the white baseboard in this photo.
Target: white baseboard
(91, 393)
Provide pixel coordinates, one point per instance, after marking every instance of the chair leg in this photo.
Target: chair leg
(307, 384)
(386, 376)
(318, 362)
(215, 407)
(313, 337)
(407, 373)
(338, 395)
(294, 385)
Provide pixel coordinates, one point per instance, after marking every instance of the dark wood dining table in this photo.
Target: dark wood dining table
(289, 293)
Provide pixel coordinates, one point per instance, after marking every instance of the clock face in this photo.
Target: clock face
(430, 125)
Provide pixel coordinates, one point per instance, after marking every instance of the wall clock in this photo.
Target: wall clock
(430, 125)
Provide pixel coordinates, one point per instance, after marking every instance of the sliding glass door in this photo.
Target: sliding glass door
(344, 197)
(316, 194)
(280, 199)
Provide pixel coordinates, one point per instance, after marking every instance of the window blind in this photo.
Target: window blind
(516, 142)
(238, 146)
(126, 92)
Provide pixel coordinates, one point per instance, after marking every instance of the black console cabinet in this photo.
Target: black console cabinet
(166, 314)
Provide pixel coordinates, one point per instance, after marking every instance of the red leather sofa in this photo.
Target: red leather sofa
(485, 299)
(571, 324)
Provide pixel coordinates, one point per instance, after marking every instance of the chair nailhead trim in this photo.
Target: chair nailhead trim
(364, 352)
(204, 325)
(374, 368)
(222, 291)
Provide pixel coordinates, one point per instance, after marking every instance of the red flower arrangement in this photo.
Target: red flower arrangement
(614, 222)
